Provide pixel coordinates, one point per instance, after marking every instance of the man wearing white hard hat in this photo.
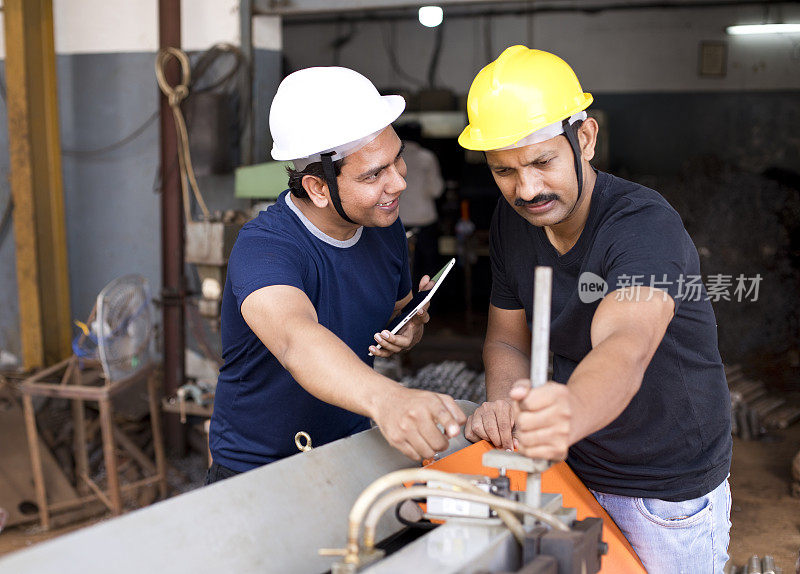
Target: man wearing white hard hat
(638, 405)
(313, 281)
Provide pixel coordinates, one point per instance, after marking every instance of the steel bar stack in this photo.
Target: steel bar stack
(449, 377)
(755, 565)
(755, 410)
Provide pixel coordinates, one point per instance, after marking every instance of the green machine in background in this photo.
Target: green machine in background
(209, 242)
(263, 181)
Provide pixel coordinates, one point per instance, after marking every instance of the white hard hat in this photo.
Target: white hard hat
(320, 110)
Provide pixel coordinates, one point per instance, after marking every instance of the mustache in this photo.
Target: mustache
(542, 198)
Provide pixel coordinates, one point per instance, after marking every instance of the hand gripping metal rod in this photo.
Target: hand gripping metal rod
(540, 358)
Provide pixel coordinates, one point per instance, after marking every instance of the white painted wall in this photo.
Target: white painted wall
(267, 33)
(206, 22)
(102, 26)
(612, 52)
(91, 26)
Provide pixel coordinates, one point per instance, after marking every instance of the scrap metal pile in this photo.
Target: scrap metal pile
(755, 565)
(450, 377)
(755, 410)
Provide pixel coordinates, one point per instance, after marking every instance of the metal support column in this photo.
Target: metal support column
(36, 184)
(246, 83)
(172, 233)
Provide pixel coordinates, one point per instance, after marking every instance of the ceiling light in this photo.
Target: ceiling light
(761, 29)
(430, 16)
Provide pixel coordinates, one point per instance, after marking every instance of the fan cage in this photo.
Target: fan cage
(124, 326)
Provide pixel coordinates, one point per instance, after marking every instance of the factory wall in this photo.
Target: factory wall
(641, 66)
(107, 88)
(703, 142)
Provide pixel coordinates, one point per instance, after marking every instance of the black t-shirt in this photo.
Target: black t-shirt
(673, 441)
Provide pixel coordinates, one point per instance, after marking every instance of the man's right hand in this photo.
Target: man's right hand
(408, 418)
(494, 422)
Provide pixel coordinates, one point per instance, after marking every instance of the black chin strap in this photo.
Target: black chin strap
(330, 179)
(571, 133)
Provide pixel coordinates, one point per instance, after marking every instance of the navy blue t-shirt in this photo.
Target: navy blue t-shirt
(673, 441)
(353, 285)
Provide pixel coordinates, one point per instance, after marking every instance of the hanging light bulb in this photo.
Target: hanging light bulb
(431, 16)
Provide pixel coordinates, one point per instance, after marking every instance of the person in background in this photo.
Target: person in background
(418, 204)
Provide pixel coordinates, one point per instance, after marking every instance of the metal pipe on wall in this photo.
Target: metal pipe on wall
(173, 291)
(245, 82)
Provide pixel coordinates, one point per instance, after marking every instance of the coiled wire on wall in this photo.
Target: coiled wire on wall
(175, 96)
(201, 67)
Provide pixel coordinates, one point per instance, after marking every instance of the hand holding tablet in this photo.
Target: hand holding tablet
(418, 301)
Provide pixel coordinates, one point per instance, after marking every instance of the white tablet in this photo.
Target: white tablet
(419, 300)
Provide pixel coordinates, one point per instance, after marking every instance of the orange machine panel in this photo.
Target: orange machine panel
(621, 559)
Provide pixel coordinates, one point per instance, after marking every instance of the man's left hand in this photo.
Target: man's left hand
(543, 419)
(409, 335)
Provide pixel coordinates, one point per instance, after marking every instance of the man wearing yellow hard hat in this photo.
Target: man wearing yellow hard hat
(638, 405)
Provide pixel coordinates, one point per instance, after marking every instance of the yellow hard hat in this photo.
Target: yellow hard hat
(522, 91)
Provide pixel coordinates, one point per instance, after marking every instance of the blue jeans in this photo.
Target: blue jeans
(690, 537)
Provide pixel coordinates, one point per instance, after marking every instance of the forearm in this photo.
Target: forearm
(504, 364)
(286, 322)
(605, 381)
(328, 369)
(625, 336)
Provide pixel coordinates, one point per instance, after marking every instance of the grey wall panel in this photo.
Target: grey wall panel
(111, 209)
(113, 221)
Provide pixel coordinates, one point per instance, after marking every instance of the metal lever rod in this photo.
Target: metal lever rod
(540, 358)
(540, 339)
